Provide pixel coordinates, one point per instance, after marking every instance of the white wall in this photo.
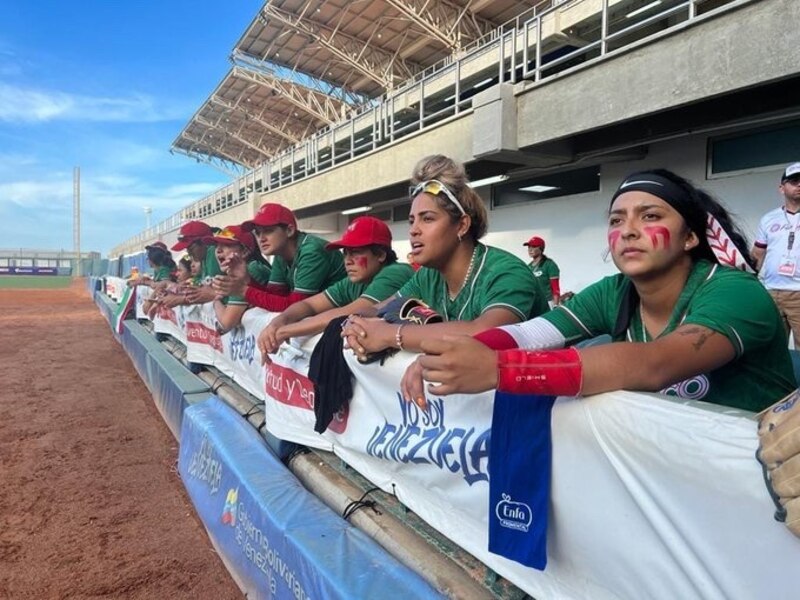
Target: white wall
(574, 227)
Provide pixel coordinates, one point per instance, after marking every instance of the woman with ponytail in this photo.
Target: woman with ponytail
(468, 285)
(689, 316)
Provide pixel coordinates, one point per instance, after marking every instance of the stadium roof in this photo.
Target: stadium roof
(301, 64)
(252, 115)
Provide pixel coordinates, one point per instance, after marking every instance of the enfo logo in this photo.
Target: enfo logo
(513, 515)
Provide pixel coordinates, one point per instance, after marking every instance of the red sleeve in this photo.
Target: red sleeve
(554, 287)
(272, 302)
(259, 286)
(496, 339)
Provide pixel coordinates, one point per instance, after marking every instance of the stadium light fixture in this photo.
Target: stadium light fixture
(358, 209)
(487, 181)
(539, 189)
(642, 9)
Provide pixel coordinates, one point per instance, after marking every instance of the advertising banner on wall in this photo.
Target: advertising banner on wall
(276, 538)
(171, 321)
(645, 489)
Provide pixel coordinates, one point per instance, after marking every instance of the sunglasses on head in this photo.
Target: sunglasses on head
(435, 188)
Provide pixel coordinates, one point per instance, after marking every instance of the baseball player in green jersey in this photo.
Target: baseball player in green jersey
(544, 269)
(183, 272)
(373, 275)
(160, 260)
(472, 286)
(684, 310)
(191, 239)
(232, 246)
(301, 267)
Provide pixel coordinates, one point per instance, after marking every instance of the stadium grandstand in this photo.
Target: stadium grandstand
(30, 261)
(328, 104)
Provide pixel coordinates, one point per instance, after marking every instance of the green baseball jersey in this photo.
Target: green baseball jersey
(162, 273)
(722, 299)
(385, 283)
(546, 270)
(259, 271)
(498, 280)
(313, 269)
(210, 267)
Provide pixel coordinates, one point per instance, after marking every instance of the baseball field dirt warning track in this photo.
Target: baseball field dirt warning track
(92, 504)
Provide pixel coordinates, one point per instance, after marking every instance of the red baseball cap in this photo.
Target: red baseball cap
(160, 245)
(191, 231)
(535, 242)
(364, 231)
(232, 235)
(271, 214)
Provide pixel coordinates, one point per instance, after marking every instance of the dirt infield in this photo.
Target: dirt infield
(91, 504)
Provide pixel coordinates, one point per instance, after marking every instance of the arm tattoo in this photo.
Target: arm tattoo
(702, 334)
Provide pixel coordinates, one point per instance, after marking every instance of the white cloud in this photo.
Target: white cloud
(107, 193)
(28, 105)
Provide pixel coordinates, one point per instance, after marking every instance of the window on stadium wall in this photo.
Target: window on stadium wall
(544, 187)
(401, 212)
(761, 148)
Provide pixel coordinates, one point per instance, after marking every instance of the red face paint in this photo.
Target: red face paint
(613, 238)
(654, 232)
(360, 261)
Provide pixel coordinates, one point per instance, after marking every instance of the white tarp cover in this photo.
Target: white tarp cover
(651, 497)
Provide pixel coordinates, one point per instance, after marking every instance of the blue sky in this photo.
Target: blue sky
(105, 85)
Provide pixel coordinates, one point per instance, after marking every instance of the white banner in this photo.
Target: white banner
(650, 497)
(142, 293)
(115, 287)
(171, 321)
(235, 353)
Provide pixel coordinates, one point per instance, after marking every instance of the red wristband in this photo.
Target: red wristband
(548, 372)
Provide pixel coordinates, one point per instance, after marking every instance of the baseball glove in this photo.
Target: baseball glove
(409, 310)
(399, 311)
(779, 455)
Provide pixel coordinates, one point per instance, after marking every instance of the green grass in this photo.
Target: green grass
(34, 281)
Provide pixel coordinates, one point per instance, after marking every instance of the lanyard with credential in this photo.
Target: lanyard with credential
(792, 229)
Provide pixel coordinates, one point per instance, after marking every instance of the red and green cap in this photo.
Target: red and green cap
(190, 232)
(232, 235)
(364, 231)
(271, 214)
(535, 242)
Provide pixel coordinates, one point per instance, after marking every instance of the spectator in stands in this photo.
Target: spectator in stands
(191, 238)
(301, 267)
(233, 246)
(373, 275)
(777, 253)
(688, 320)
(472, 286)
(544, 269)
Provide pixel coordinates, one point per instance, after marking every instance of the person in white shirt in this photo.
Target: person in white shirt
(776, 251)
